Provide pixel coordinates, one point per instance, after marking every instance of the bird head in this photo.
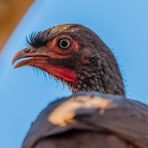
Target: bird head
(75, 55)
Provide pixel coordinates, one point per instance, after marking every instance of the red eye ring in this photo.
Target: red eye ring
(56, 49)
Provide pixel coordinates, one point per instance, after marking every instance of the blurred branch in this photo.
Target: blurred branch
(11, 12)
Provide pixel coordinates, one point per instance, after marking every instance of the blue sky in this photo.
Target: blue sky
(123, 25)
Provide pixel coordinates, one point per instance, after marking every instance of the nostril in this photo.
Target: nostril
(27, 50)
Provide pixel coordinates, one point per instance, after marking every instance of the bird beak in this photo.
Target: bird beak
(39, 59)
(30, 57)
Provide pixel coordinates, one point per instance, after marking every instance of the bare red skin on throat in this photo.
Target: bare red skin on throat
(63, 73)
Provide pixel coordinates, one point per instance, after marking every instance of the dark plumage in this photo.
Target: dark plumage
(77, 56)
(35, 40)
(90, 120)
(88, 63)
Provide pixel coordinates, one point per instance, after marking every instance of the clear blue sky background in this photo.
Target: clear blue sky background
(123, 25)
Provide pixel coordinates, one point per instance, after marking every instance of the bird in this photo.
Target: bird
(98, 113)
(90, 120)
(75, 55)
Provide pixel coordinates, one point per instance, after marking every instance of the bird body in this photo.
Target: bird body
(90, 120)
(104, 118)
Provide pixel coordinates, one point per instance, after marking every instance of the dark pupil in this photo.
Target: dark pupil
(64, 43)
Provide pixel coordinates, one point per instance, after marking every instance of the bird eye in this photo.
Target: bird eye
(64, 43)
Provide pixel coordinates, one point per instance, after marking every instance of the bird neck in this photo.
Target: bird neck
(100, 75)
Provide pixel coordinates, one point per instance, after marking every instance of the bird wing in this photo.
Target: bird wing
(90, 120)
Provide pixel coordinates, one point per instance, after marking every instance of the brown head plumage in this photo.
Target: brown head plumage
(75, 55)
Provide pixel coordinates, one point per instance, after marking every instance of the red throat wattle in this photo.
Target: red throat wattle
(63, 73)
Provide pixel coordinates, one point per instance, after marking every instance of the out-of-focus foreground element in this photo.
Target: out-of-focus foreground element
(90, 120)
(11, 12)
